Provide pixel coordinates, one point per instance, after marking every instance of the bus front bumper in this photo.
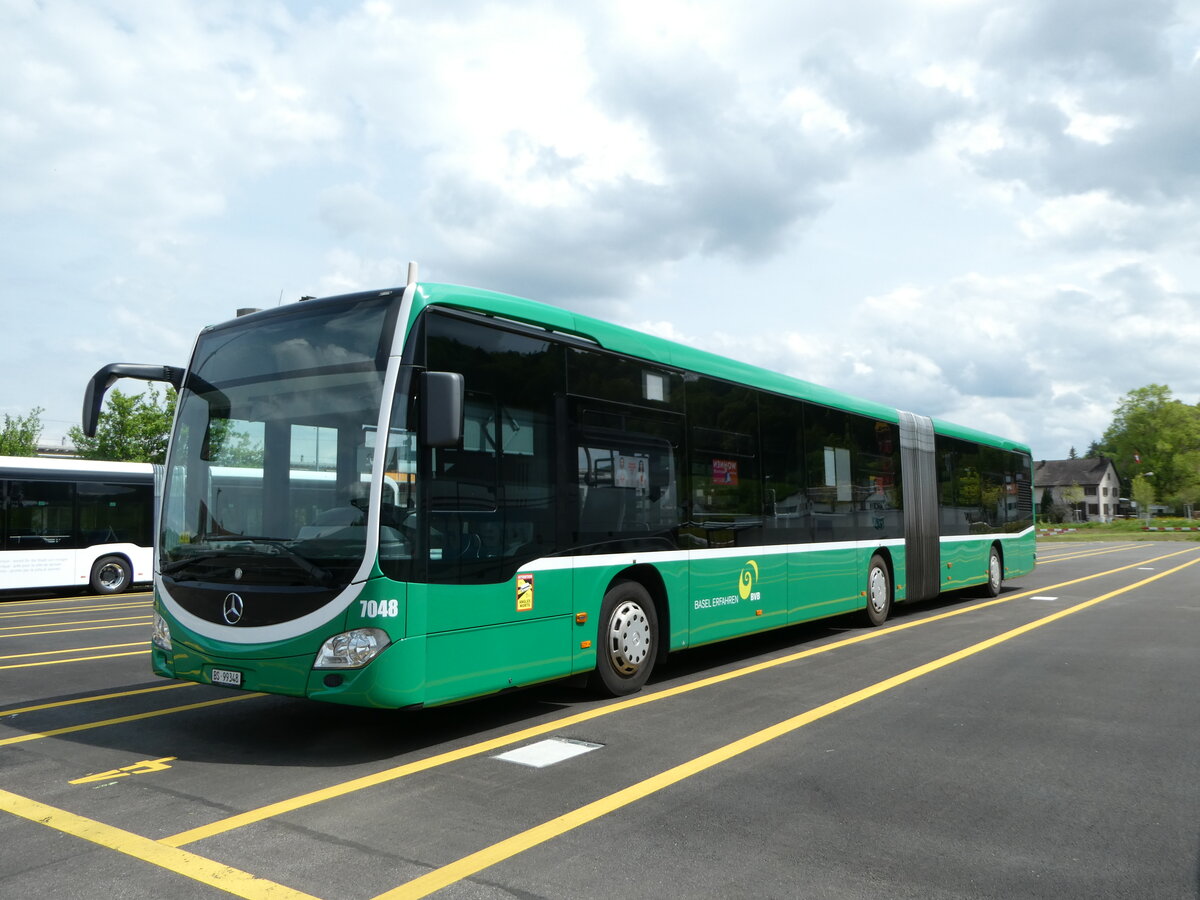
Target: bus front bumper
(391, 680)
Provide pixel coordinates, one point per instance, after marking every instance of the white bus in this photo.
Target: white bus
(76, 523)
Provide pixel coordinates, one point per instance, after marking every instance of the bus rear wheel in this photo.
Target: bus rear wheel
(627, 644)
(879, 592)
(995, 574)
(110, 575)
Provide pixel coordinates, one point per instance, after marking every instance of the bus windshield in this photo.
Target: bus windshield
(268, 478)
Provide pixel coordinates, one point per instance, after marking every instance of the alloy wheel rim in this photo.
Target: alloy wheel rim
(628, 637)
(878, 590)
(111, 576)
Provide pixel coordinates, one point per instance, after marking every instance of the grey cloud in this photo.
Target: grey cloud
(994, 374)
(623, 229)
(1080, 37)
(1151, 161)
(897, 113)
(732, 184)
(1136, 281)
(691, 109)
(1114, 59)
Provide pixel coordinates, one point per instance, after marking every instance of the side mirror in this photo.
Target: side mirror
(442, 408)
(93, 397)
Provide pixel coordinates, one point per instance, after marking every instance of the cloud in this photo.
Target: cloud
(1083, 222)
(1082, 39)
(968, 209)
(350, 208)
(148, 116)
(1093, 97)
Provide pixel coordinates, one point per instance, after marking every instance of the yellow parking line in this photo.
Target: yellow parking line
(96, 698)
(142, 624)
(140, 618)
(59, 662)
(489, 856)
(74, 650)
(311, 798)
(121, 720)
(181, 862)
(85, 599)
(70, 612)
(1067, 555)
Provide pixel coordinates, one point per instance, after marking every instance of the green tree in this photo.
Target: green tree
(1048, 508)
(230, 446)
(20, 434)
(1072, 496)
(1143, 494)
(132, 428)
(1072, 454)
(1151, 431)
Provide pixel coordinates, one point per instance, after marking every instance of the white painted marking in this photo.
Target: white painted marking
(1145, 568)
(548, 752)
(1043, 598)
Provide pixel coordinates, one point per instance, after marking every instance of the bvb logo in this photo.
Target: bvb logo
(748, 577)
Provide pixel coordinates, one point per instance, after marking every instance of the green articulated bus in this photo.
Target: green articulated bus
(509, 493)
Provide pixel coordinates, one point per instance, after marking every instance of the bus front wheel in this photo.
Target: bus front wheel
(995, 574)
(627, 644)
(879, 592)
(110, 575)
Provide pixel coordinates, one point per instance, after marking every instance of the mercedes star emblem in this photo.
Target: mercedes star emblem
(233, 608)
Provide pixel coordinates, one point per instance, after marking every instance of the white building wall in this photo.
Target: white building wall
(1099, 500)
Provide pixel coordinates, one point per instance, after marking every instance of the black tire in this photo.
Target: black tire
(110, 575)
(879, 593)
(627, 640)
(995, 574)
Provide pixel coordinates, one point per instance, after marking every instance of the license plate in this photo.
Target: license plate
(227, 677)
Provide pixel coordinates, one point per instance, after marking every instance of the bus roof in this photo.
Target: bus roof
(40, 465)
(638, 344)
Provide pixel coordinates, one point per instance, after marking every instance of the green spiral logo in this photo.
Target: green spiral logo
(746, 580)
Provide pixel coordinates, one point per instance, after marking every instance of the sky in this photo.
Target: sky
(985, 212)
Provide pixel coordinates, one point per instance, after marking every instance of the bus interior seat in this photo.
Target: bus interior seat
(604, 509)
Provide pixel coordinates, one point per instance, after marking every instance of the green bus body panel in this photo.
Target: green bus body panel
(736, 595)
(826, 583)
(501, 657)
(963, 564)
(1020, 556)
(449, 607)
(899, 586)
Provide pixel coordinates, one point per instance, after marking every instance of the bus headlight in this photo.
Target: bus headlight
(161, 636)
(351, 649)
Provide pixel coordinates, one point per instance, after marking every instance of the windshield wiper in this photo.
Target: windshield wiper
(180, 564)
(322, 575)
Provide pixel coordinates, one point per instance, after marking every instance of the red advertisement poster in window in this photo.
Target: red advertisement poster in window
(724, 471)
